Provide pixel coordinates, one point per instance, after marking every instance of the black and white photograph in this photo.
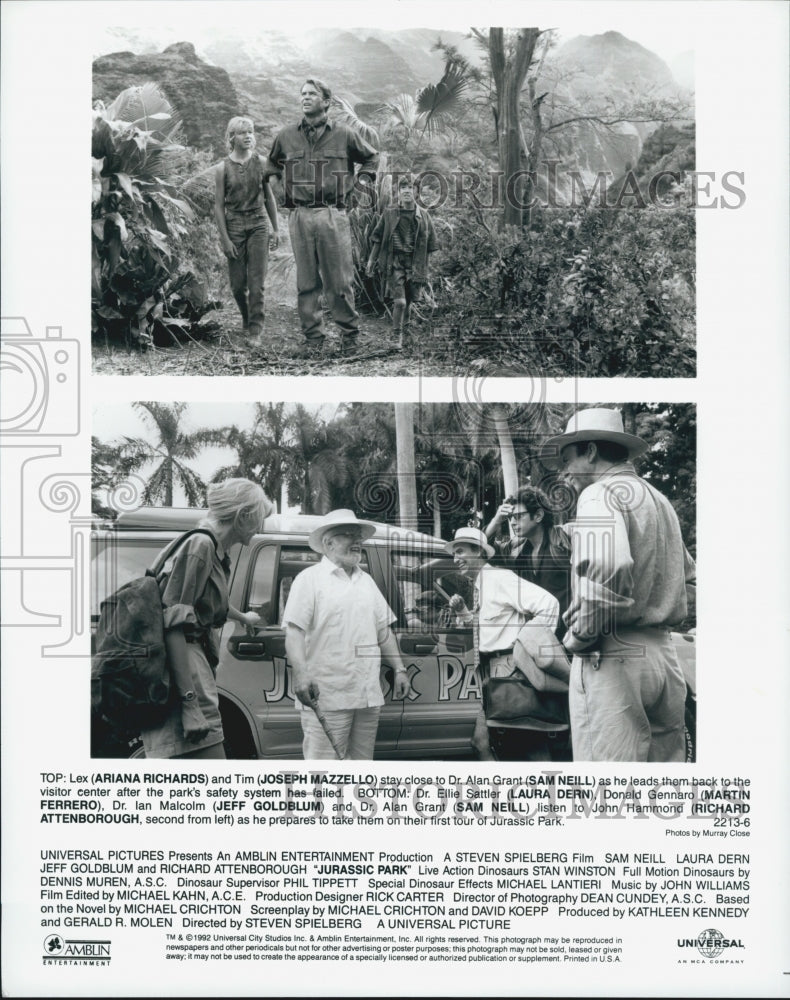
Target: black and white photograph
(395, 201)
(474, 524)
(368, 470)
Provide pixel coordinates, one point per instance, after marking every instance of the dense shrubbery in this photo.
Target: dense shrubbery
(140, 289)
(610, 292)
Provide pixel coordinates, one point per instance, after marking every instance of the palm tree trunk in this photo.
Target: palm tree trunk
(437, 514)
(407, 480)
(506, 451)
(169, 481)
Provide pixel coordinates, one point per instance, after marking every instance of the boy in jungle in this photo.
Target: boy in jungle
(400, 244)
(242, 200)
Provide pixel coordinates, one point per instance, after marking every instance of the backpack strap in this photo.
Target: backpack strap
(174, 546)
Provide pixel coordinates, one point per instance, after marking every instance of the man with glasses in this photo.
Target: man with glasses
(538, 549)
(337, 629)
(503, 604)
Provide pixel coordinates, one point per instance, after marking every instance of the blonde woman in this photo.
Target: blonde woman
(194, 589)
(242, 200)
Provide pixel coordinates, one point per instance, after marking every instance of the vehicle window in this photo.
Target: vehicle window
(425, 587)
(116, 562)
(294, 560)
(260, 598)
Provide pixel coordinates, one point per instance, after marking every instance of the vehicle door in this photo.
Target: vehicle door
(440, 711)
(254, 671)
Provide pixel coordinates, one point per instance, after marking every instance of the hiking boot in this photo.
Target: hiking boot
(254, 336)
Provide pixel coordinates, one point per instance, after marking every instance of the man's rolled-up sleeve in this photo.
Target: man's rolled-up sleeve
(541, 607)
(363, 153)
(382, 612)
(274, 162)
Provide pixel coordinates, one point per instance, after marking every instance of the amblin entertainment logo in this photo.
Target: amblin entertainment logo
(61, 951)
(710, 943)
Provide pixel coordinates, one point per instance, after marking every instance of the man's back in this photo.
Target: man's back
(629, 563)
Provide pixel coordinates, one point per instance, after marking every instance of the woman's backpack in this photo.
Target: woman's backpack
(130, 680)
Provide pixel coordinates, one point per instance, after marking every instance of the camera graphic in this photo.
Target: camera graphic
(40, 381)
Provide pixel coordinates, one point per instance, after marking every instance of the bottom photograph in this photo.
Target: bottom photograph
(494, 582)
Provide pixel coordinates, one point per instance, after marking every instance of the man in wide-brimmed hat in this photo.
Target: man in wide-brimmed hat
(337, 630)
(506, 607)
(629, 573)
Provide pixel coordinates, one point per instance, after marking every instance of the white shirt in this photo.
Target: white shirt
(506, 603)
(342, 617)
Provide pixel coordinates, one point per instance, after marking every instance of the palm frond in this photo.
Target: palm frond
(403, 111)
(444, 97)
(349, 117)
(155, 492)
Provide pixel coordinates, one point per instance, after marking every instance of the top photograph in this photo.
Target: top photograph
(298, 200)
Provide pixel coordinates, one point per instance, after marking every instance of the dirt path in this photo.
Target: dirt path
(282, 338)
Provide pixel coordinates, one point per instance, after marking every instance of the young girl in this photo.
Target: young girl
(242, 200)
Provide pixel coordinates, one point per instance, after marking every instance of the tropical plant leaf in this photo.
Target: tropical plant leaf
(118, 220)
(139, 105)
(403, 111)
(179, 203)
(444, 97)
(125, 184)
(349, 117)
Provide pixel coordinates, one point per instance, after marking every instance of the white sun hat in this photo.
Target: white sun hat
(342, 518)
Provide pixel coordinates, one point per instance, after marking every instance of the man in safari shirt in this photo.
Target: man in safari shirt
(317, 160)
(629, 571)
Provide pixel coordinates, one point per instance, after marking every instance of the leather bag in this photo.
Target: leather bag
(512, 702)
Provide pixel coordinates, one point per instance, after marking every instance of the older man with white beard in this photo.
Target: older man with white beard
(337, 631)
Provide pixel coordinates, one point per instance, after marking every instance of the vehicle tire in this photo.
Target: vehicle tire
(239, 744)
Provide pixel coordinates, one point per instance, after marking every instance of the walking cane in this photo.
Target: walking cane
(325, 726)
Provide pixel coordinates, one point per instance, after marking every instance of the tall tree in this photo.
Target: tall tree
(509, 65)
(171, 450)
(319, 473)
(407, 478)
(263, 453)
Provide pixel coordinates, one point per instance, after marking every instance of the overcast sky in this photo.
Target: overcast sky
(666, 27)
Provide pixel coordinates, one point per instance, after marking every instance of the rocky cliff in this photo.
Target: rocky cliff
(203, 95)
(261, 72)
(593, 83)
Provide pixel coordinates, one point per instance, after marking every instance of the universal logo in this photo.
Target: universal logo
(62, 951)
(710, 943)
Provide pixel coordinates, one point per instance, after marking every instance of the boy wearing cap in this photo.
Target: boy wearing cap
(337, 630)
(629, 570)
(504, 603)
